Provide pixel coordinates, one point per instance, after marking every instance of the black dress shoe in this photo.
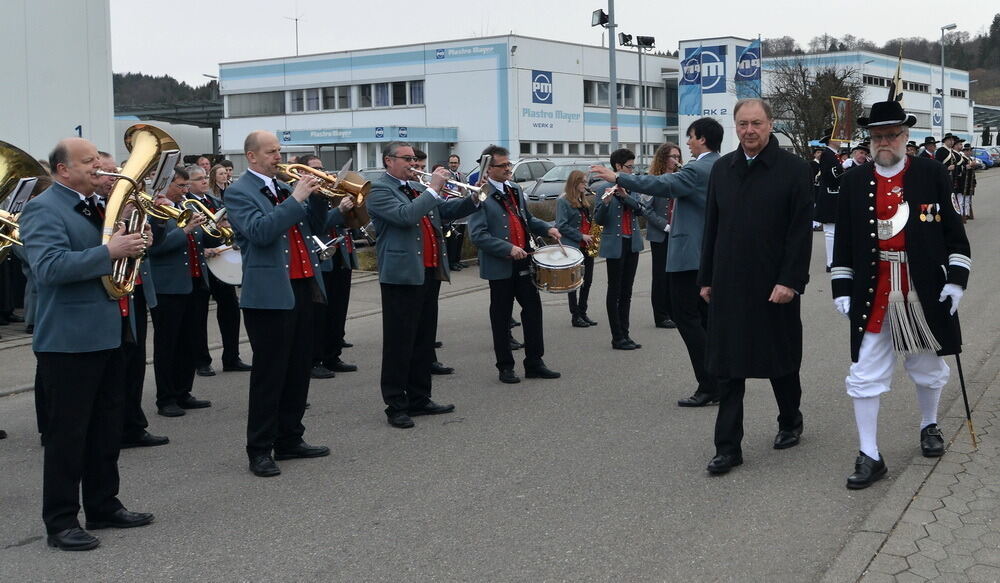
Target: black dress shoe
(400, 420)
(829, 269)
(15, 318)
(171, 410)
(668, 323)
(721, 464)
(73, 539)
(263, 466)
(931, 441)
(238, 366)
(540, 372)
(866, 471)
(515, 345)
(787, 438)
(514, 323)
(192, 403)
(346, 344)
(146, 439)
(634, 343)
(431, 408)
(440, 369)
(579, 322)
(341, 366)
(121, 518)
(302, 450)
(206, 371)
(29, 329)
(507, 376)
(438, 344)
(623, 344)
(321, 372)
(3, 434)
(455, 267)
(589, 322)
(698, 399)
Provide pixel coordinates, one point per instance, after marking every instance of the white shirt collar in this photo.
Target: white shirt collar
(703, 154)
(890, 171)
(499, 185)
(268, 180)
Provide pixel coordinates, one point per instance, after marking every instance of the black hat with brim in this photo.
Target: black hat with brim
(930, 140)
(887, 113)
(862, 146)
(912, 144)
(949, 136)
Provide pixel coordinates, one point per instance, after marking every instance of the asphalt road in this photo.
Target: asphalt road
(597, 476)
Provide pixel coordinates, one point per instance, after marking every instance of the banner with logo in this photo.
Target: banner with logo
(689, 88)
(747, 75)
(937, 115)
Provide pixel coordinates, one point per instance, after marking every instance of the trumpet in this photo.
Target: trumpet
(334, 186)
(212, 225)
(452, 187)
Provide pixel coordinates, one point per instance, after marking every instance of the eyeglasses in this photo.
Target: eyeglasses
(885, 138)
(628, 166)
(505, 165)
(675, 157)
(407, 158)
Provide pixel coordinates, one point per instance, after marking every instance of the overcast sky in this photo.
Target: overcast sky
(188, 38)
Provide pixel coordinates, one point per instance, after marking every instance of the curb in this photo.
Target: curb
(862, 546)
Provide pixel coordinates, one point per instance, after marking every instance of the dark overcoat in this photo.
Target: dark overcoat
(830, 171)
(937, 251)
(758, 233)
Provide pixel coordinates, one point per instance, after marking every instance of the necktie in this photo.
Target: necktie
(749, 162)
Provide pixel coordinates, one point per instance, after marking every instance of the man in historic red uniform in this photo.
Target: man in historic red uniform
(900, 265)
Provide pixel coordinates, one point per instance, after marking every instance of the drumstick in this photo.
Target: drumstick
(561, 248)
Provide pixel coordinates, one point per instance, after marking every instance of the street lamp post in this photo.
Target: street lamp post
(642, 43)
(944, 96)
(599, 18)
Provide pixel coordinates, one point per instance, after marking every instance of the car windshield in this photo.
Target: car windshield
(561, 173)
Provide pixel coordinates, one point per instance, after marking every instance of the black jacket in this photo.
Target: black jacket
(937, 251)
(830, 171)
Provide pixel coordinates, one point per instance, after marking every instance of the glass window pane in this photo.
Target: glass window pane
(365, 95)
(312, 99)
(329, 98)
(416, 92)
(602, 94)
(557, 148)
(541, 148)
(603, 149)
(399, 93)
(522, 173)
(525, 147)
(343, 98)
(297, 103)
(381, 94)
(574, 150)
(588, 149)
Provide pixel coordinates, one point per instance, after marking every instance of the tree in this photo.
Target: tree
(779, 47)
(799, 94)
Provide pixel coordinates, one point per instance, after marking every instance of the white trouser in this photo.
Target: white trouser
(871, 375)
(828, 232)
(966, 202)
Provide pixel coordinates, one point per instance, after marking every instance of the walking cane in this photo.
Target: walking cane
(965, 397)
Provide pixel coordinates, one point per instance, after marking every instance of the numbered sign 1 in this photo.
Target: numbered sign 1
(79, 131)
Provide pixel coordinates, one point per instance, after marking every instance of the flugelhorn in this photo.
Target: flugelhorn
(212, 225)
(335, 186)
(452, 187)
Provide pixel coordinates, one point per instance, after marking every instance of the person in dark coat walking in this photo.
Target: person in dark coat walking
(754, 266)
(900, 265)
(830, 171)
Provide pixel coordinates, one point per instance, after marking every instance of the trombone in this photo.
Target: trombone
(213, 221)
(452, 187)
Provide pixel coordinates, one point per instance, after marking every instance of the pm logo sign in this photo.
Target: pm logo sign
(541, 87)
(713, 70)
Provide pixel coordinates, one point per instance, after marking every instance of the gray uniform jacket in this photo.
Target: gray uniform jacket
(609, 215)
(490, 232)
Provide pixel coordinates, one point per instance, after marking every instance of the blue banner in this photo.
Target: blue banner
(689, 88)
(747, 75)
(713, 69)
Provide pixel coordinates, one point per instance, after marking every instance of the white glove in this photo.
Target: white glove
(954, 292)
(843, 305)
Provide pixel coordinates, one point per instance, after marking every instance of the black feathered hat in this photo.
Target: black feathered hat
(887, 113)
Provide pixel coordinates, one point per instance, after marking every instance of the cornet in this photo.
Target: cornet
(334, 186)
(452, 187)
(212, 225)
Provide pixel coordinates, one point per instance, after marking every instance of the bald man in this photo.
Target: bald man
(78, 342)
(281, 279)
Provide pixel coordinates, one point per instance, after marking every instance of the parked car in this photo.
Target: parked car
(983, 156)
(371, 173)
(551, 185)
(526, 171)
(995, 154)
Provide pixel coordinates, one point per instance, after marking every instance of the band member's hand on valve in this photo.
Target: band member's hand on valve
(196, 221)
(122, 245)
(304, 187)
(346, 204)
(439, 179)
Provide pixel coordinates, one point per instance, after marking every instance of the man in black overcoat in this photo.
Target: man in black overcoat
(754, 266)
(900, 265)
(830, 171)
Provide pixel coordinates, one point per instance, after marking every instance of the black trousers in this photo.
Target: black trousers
(659, 291)
(729, 422)
(690, 313)
(175, 337)
(227, 314)
(200, 297)
(282, 342)
(84, 396)
(503, 292)
(332, 317)
(454, 243)
(621, 274)
(409, 317)
(41, 407)
(134, 421)
(578, 302)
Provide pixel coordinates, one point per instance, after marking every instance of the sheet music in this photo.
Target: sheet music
(14, 203)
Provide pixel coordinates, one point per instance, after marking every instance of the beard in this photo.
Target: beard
(887, 157)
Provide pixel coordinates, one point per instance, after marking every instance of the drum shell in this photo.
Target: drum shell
(227, 266)
(557, 269)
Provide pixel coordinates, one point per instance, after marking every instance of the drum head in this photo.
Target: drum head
(227, 266)
(558, 257)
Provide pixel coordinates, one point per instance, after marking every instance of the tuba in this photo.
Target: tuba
(17, 168)
(128, 204)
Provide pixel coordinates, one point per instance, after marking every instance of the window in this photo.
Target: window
(916, 87)
(399, 93)
(381, 91)
(626, 95)
(312, 99)
(873, 80)
(588, 150)
(541, 148)
(923, 119)
(246, 104)
(590, 92)
(296, 103)
(557, 149)
(603, 149)
(654, 98)
(959, 123)
(416, 92)
(525, 148)
(337, 98)
(602, 94)
(522, 173)
(573, 150)
(365, 95)
(958, 93)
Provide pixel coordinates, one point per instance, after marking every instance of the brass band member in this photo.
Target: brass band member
(77, 341)
(659, 211)
(281, 279)
(502, 232)
(412, 263)
(574, 218)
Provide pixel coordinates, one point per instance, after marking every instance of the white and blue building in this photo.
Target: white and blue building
(538, 98)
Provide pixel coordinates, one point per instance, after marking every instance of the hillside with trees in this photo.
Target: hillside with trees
(142, 89)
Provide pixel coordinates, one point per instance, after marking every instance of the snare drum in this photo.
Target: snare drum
(227, 266)
(557, 269)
